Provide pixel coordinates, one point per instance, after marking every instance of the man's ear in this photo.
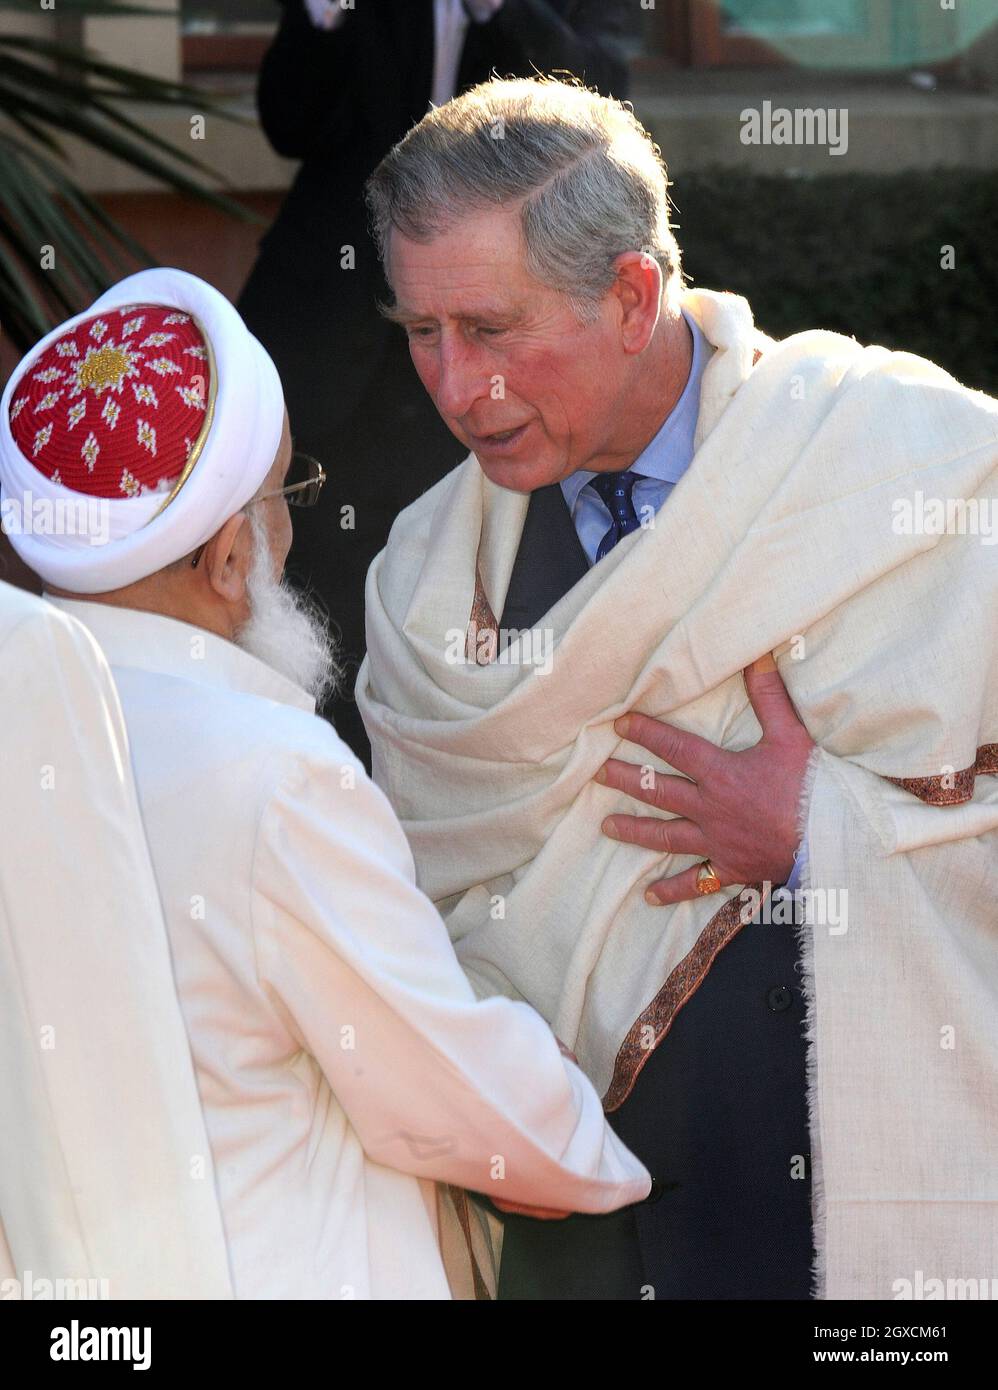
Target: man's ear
(638, 288)
(228, 557)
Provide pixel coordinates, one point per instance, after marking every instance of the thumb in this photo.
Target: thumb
(768, 695)
(764, 664)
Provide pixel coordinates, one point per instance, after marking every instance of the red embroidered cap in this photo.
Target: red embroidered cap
(115, 406)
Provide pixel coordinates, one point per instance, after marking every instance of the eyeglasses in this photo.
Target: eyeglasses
(307, 477)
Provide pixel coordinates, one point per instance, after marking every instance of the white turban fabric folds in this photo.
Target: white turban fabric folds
(237, 454)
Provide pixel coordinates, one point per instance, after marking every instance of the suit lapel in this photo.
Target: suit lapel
(549, 561)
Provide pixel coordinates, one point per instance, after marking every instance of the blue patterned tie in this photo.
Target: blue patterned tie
(614, 489)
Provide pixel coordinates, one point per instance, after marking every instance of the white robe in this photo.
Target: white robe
(341, 1056)
(105, 1174)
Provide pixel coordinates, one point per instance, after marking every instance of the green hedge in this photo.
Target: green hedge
(856, 253)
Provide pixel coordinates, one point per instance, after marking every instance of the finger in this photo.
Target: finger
(682, 750)
(769, 697)
(676, 794)
(763, 664)
(682, 887)
(538, 1213)
(654, 833)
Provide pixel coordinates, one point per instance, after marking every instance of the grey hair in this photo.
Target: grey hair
(591, 179)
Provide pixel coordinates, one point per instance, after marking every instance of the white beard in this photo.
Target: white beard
(285, 629)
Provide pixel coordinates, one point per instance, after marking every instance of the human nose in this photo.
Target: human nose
(462, 377)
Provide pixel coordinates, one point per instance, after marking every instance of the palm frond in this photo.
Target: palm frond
(88, 8)
(50, 89)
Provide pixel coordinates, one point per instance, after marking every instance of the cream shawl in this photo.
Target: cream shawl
(787, 533)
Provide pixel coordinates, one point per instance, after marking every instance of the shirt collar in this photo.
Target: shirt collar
(144, 641)
(667, 455)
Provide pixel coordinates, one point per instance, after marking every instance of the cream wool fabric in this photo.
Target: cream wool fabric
(781, 530)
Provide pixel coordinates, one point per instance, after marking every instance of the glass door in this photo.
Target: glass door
(806, 33)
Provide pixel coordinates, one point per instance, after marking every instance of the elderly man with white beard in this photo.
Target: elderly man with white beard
(343, 1063)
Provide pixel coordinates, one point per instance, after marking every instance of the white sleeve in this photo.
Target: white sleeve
(99, 1134)
(435, 1082)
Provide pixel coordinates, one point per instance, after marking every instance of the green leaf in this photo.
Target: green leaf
(48, 89)
(135, 86)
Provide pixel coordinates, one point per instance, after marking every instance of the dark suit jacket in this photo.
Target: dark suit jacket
(339, 101)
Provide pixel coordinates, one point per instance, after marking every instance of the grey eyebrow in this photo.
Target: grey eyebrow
(395, 314)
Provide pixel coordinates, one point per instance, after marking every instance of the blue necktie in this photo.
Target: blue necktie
(614, 490)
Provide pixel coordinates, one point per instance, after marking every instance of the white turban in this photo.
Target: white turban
(242, 436)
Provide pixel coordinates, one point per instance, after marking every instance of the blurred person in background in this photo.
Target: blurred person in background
(338, 88)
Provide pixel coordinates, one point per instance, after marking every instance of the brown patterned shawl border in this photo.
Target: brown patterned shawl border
(936, 791)
(482, 619)
(691, 971)
(681, 985)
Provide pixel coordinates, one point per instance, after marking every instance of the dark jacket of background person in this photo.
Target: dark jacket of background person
(339, 101)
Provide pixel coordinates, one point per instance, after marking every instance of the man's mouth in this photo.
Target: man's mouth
(500, 441)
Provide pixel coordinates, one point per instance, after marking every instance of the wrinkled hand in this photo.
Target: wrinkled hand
(739, 810)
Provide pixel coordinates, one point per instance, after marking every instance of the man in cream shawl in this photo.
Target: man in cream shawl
(658, 497)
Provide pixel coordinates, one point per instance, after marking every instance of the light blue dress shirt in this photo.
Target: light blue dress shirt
(660, 465)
